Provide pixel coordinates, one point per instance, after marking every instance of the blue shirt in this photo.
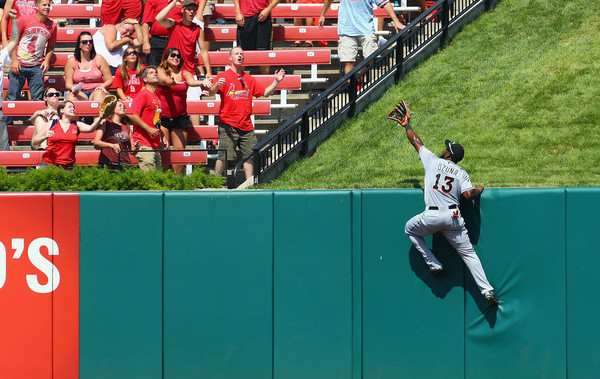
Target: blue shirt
(355, 17)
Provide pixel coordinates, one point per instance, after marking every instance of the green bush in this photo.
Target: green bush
(100, 179)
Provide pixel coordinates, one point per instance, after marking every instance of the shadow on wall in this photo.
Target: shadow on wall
(455, 273)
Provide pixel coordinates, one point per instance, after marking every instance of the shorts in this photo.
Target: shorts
(180, 122)
(148, 160)
(209, 8)
(255, 35)
(194, 93)
(348, 46)
(230, 138)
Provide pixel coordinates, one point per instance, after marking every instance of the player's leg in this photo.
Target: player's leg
(418, 227)
(459, 239)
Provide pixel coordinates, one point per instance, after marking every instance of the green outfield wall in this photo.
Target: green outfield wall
(325, 284)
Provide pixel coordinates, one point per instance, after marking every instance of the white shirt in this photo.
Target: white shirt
(445, 181)
(114, 58)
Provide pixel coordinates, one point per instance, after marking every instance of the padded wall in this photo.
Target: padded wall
(121, 285)
(522, 249)
(218, 285)
(312, 284)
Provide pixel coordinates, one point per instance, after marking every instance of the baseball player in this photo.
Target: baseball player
(445, 182)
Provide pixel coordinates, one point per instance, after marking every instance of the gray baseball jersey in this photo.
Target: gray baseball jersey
(445, 181)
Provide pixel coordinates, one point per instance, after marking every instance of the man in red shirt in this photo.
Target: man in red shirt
(32, 58)
(154, 34)
(237, 89)
(145, 114)
(182, 33)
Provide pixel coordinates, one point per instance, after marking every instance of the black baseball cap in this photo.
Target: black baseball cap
(456, 150)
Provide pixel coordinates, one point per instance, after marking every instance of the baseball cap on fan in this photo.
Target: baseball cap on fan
(188, 2)
(456, 150)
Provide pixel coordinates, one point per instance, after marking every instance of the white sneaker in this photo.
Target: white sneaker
(381, 41)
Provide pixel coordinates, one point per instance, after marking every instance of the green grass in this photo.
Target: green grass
(519, 88)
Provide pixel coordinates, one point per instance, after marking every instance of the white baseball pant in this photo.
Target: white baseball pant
(452, 225)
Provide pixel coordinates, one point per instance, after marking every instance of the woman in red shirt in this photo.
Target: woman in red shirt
(61, 135)
(173, 83)
(127, 79)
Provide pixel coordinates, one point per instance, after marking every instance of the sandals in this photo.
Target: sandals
(296, 44)
(307, 44)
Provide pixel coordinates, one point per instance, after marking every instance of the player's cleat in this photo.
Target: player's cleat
(437, 271)
(491, 298)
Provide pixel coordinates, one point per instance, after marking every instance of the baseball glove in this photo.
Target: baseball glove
(401, 114)
(108, 106)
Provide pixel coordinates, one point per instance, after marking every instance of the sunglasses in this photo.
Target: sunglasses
(131, 52)
(241, 81)
(175, 55)
(51, 94)
(87, 41)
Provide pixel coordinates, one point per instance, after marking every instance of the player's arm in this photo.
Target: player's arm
(413, 138)
(473, 193)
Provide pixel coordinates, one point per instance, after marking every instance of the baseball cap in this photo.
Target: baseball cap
(456, 150)
(188, 2)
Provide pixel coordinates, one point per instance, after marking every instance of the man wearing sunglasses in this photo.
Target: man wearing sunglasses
(237, 88)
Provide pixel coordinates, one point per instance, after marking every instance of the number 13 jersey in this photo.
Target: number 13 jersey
(445, 181)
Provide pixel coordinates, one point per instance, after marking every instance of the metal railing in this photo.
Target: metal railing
(293, 139)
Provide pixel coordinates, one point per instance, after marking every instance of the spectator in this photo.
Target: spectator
(87, 75)
(181, 33)
(127, 79)
(155, 35)
(32, 59)
(172, 91)
(111, 41)
(112, 137)
(61, 135)
(236, 89)
(113, 11)
(23, 8)
(255, 27)
(5, 54)
(355, 25)
(41, 117)
(145, 114)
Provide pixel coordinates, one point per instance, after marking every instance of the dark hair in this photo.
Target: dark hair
(138, 65)
(164, 65)
(62, 106)
(78, 47)
(145, 72)
(46, 90)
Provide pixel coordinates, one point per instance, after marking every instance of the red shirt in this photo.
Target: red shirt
(132, 86)
(146, 105)
(184, 38)
(251, 7)
(115, 133)
(151, 9)
(236, 99)
(173, 99)
(35, 36)
(61, 146)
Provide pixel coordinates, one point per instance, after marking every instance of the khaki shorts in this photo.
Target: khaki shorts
(209, 8)
(148, 160)
(230, 138)
(348, 46)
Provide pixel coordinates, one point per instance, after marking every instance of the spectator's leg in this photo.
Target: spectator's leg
(348, 50)
(15, 85)
(157, 46)
(4, 142)
(36, 82)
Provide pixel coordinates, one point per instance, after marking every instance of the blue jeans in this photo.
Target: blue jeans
(35, 78)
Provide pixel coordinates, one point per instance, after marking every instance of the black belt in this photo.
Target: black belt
(435, 208)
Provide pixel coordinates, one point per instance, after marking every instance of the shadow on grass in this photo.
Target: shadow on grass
(455, 272)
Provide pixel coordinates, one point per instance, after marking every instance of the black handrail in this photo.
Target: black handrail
(341, 98)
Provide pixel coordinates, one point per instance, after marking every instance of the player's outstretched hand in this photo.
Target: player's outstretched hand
(401, 114)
